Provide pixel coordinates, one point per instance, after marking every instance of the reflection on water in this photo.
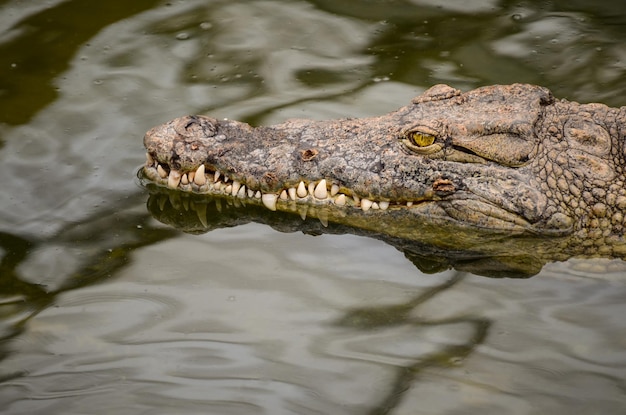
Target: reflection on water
(262, 321)
(105, 310)
(430, 245)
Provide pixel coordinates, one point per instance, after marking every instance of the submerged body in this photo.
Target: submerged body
(499, 158)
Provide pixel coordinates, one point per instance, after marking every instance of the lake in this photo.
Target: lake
(106, 308)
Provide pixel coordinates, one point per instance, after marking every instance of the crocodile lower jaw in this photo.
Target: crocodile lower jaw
(322, 193)
(208, 182)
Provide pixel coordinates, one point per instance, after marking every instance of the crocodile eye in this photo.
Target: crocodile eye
(421, 142)
(421, 139)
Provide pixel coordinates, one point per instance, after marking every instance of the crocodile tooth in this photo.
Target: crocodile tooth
(269, 200)
(384, 205)
(225, 178)
(375, 205)
(311, 188)
(184, 179)
(242, 192)
(250, 193)
(236, 187)
(149, 160)
(199, 178)
(301, 192)
(191, 175)
(292, 193)
(228, 189)
(173, 179)
(216, 176)
(366, 204)
(334, 189)
(161, 171)
(321, 192)
(257, 194)
(340, 200)
(409, 204)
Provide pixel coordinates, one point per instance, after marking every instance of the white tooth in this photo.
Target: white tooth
(199, 178)
(242, 192)
(225, 178)
(340, 200)
(292, 193)
(320, 191)
(301, 192)
(184, 179)
(357, 200)
(269, 200)
(149, 160)
(257, 194)
(217, 186)
(409, 204)
(366, 204)
(283, 195)
(216, 176)
(384, 205)
(250, 193)
(173, 179)
(375, 206)
(228, 189)
(236, 187)
(334, 189)
(311, 188)
(191, 175)
(161, 171)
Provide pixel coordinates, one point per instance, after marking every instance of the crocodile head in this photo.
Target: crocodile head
(506, 158)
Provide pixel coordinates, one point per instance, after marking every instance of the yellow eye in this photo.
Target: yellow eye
(421, 142)
(421, 139)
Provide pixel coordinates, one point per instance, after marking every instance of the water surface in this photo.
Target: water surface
(104, 309)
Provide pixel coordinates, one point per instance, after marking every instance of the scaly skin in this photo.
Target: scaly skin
(498, 158)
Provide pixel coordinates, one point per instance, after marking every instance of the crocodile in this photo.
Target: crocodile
(503, 159)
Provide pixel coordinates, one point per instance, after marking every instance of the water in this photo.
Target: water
(103, 309)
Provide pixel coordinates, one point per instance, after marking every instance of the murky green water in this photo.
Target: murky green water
(103, 309)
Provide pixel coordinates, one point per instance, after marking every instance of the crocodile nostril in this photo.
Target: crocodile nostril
(195, 126)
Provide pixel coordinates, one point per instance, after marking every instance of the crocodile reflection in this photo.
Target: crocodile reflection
(430, 248)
